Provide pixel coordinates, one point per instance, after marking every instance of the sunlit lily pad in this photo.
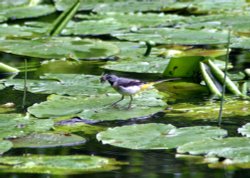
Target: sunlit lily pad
(5, 145)
(209, 110)
(1, 86)
(60, 165)
(21, 12)
(7, 107)
(175, 36)
(233, 150)
(97, 108)
(15, 125)
(157, 136)
(63, 84)
(49, 139)
(60, 47)
(245, 130)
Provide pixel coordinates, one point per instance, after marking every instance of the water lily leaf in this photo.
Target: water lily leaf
(97, 108)
(15, 125)
(243, 43)
(7, 107)
(175, 36)
(109, 23)
(75, 124)
(213, 146)
(49, 139)
(5, 145)
(59, 47)
(63, 84)
(21, 31)
(143, 65)
(210, 109)
(10, 3)
(20, 12)
(60, 165)
(1, 86)
(114, 6)
(245, 130)
(157, 136)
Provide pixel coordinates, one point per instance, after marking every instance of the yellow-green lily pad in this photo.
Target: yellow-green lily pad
(245, 130)
(157, 136)
(5, 145)
(59, 165)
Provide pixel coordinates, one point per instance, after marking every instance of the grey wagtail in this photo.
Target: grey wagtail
(127, 86)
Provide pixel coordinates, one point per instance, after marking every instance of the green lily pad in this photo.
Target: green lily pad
(63, 84)
(111, 22)
(97, 108)
(15, 125)
(243, 43)
(60, 165)
(210, 109)
(60, 47)
(148, 65)
(234, 151)
(7, 107)
(21, 31)
(49, 139)
(175, 36)
(21, 12)
(2, 86)
(245, 130)
(156, 136)
(5, 145)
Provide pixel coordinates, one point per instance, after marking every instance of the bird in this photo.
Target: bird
(127, 86)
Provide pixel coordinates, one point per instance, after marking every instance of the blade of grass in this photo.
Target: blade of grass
(25, 84)
(63, 19)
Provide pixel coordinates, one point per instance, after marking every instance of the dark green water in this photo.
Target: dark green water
(151, 164)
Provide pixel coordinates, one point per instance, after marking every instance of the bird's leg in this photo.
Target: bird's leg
(113, 104)
(130, 102)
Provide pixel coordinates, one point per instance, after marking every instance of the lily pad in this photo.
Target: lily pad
(21, 12)
(59, 47)
(111, 22)
(49, 139)
(1, 86)
(16, 125)
(245, 130)
(212, 146)
(156, 136)
(63, 84)
(5, 145)
(148, 65)
(60, 165)
(175, 36)
(74, 124)
(97, 108)
(21, 31)
(210, 109)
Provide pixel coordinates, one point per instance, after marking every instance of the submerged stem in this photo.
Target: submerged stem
(224, 79)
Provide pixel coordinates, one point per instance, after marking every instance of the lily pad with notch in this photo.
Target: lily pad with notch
(5, 145)
(157, 136)
(98, 108)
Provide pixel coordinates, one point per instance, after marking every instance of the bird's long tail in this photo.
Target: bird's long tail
(151, 84)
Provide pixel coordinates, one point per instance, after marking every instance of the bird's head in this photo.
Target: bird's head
(108, 77)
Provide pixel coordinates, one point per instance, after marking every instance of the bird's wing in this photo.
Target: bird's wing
(125, 82)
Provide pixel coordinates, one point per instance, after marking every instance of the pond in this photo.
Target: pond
(58, 122)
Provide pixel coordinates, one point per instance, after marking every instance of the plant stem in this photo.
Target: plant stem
(24, 84)
(224, 80)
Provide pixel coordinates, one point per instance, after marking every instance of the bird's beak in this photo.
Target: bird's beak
(102, 79)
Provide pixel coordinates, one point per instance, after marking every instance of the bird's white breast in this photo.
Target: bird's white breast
(129, 90)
